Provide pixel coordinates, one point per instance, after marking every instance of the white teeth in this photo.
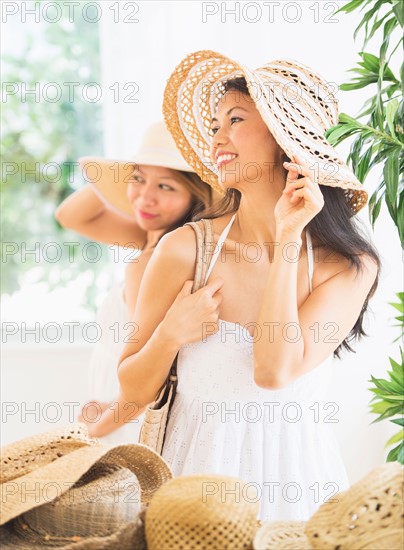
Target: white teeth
(224, 158)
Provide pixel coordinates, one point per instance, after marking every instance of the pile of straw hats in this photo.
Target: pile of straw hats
(62, 489)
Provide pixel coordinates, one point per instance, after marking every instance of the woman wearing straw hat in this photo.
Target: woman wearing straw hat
(287, 287)
(131, 204)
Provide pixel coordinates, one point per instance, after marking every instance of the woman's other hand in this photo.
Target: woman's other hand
(194, 316)
(91, 414)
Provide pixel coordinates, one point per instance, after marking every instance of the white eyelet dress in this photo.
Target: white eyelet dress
(278, 441)
(112, 320)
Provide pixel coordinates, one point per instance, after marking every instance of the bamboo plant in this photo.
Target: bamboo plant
(379, 140)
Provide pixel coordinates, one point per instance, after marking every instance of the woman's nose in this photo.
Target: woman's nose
(219, 137)
(148, 193)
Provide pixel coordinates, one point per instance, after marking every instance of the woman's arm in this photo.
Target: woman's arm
(297, 340)
(167, 316)
(84, 212)
(133, 277)
(115, 414)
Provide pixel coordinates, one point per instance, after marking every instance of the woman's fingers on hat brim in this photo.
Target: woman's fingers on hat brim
(302, 168)
(307, 194)
(299, 184)
(293, 171)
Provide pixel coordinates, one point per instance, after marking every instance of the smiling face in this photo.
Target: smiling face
(157, 197)
(242, 148)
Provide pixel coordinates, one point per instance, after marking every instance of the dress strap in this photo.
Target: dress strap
(219, 246)
(310, 260)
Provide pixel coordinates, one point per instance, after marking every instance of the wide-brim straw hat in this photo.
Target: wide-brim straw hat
(296, 103)
(368, 516)
(61, 486)
(109, 177)
(201, 511)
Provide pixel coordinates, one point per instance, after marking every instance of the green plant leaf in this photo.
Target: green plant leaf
(338, 133)
(376, 25)
(398, 379)
(374, 210)
(387, 30)
(390, 173)
(347, 8)
(391, 110)
(388, 412)
(400, 307)
(363, 165)
(387, 396)
(399, 421)
(385, 385)
(370, 62)
(395, 438)
(343, 117)
(398, 9)
(358, 83)
(396, 454)
(400, 219)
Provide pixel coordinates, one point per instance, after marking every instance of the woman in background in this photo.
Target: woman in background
(131, 204)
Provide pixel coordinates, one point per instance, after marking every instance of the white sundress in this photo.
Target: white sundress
(278, 441)
(112, 317)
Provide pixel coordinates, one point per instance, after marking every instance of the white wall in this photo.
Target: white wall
(145, 53)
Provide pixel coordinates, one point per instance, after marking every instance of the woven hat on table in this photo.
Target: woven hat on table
(296, 104)
(368, 516)
(282, 535)
(109, 177)
(61, 487)
(201, 511)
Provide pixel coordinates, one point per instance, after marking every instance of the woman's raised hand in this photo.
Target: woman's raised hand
(194, 316)
(301, 199)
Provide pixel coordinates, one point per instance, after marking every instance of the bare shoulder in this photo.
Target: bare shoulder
(175, 254)
(328, 263)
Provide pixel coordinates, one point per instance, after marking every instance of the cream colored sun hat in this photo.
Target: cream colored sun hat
(110, 177)
(201, 511)
(296, 104)
(368, 516)
(62, 486)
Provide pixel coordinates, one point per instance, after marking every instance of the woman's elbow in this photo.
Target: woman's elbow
(129, 387)
(59, 216)
(269, 380)
(62, 217)
(126, 386)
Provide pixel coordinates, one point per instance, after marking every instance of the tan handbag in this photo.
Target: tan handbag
(157, 413)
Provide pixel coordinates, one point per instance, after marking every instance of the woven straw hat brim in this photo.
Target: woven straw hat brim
(281, 535)
(26, 492)
(368, 516)
(129, 537)
(195, 86)
(109, 177)
(26, 455)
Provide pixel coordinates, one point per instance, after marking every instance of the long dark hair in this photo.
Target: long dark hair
(333, 227)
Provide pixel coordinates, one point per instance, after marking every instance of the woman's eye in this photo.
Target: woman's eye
(214, 130)
(235, 119)
(166, 187)
(136, 179)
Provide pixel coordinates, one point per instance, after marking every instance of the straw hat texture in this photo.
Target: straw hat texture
(61, 487)
(368, 516)
(296, 103)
